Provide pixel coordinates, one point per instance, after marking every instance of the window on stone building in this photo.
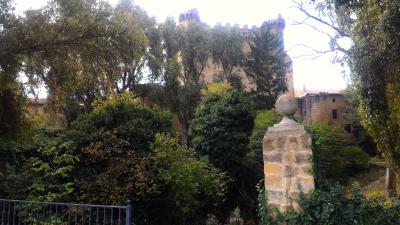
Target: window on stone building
(334, 114)
(333, 100)
(347, 128)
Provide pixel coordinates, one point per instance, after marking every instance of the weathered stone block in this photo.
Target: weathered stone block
(269, 143)
(273, 182)
(276, 197)
(289, 158)
(305, 140)
(303, 157)
(273, 168)
(272, 156)
(280, 143)
(292, 144)
(290, 171)
(306, 183)
(305, 170)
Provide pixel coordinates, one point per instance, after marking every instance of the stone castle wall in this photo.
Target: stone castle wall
(211, 72)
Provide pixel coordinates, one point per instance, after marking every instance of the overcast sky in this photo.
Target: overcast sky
(313, 73)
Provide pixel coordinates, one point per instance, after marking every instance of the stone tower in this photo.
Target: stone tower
(189, 16)
(209, 73)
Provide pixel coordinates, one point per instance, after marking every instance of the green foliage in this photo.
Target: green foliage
(338, 206)
(15, 124)
(41, 169)
(263, 213)
(113, 154)
(13, 182)
(263, 120)
(221, 129)
(219, 88)
(364, 140)
(51, 167)
(334, 160)
(113, 142)
(191, 183)
(266, 66)
(79, 50)
(122, 116)
(234, 218)
(180, 68)
(373, 27)
(227, 52)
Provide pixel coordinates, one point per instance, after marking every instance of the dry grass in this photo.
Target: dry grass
(372, 182)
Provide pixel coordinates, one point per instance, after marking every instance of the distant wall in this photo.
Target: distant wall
(330, 108)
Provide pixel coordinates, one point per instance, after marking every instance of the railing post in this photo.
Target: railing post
(128, 213)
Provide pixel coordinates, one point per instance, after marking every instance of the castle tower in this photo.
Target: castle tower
(277, 26)
(189, 16)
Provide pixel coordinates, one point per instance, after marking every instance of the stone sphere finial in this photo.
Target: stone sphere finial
(286, 104)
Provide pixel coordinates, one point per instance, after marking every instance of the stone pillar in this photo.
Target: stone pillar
(287, 158)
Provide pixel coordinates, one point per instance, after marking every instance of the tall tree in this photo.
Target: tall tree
(373, 58)
(227, 52)
(221, 130)
(186, 51)
(374, 61)
(11, 93)
(267, 64)
(78, 50)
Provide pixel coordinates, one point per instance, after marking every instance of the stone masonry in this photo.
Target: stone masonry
(287, 163)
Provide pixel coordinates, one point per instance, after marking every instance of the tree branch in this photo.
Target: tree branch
(300, 6)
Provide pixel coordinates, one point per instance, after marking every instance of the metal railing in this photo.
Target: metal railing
(18, 212)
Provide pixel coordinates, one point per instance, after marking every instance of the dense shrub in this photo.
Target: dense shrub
(41, 169)
(221, 130)
(192, 186)
(113, 143)
(113, 154)
(335, 160)
(334, 206)
(263, 120)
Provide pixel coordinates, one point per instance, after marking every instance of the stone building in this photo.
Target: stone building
(211, 72)
(328, 107)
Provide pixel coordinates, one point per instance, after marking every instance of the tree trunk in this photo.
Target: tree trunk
(390, 184)
(185, 133)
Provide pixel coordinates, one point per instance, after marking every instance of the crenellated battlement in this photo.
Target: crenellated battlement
(190, 15)
(247, 31)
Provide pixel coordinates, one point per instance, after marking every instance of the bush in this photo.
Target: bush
(263, 120)
(334, 159)
(336, 206)
(194, 185)
(221, 129)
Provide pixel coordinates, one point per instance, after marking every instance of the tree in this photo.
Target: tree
(220, 131)
(324, 17)
(181, 67)
(227, 52)
(192, 186)
(363, 139)
(113, 143)
(373, 27)
(334, 159)
(12, 96)
(78, 50)
(266, 65)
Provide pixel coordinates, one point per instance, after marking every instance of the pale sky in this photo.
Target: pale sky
(313, 73)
